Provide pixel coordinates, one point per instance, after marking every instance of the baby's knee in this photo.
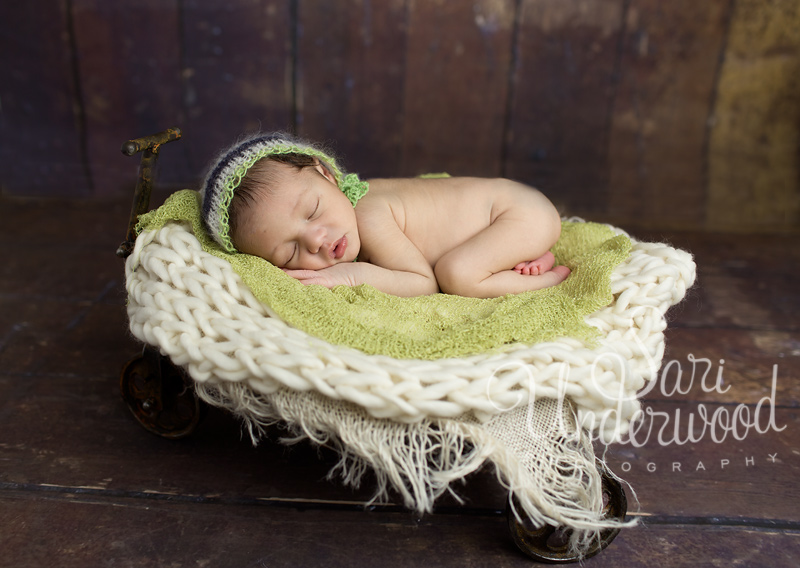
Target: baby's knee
(454, 276)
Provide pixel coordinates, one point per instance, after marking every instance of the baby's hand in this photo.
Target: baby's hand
(344, 273)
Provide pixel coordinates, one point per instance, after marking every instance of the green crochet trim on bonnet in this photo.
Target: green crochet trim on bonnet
(232, 166)
(353, 188)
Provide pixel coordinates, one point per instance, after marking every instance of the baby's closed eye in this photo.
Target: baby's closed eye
(290, 257)
(314, 211)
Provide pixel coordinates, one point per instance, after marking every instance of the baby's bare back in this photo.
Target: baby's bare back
(437, 215)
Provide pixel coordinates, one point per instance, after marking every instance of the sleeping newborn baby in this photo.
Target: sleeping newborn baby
(288, 202)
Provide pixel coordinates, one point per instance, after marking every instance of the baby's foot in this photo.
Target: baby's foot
(550, 278)
(536, 267)
(561, 272)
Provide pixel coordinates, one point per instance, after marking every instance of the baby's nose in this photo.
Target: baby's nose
(315, 238)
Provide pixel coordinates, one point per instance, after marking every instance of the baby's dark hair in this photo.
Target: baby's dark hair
(260, 179)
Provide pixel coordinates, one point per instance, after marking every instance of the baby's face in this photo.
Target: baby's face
(303, 222)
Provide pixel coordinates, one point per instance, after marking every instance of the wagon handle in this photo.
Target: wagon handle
(148, 146)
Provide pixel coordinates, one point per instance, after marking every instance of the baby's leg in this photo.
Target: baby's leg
(484, 266)
(538, 266)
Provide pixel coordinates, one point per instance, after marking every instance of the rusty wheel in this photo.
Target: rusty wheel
(160, 396)
(551, 544)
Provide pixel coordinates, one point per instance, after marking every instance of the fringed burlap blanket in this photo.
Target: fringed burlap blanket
(419, 423)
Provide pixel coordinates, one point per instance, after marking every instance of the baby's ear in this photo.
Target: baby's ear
(326, 173)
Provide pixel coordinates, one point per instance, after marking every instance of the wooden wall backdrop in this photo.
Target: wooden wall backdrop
(679, 114)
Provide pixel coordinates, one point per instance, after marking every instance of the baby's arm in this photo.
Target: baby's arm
(389, 261)
(396, 282)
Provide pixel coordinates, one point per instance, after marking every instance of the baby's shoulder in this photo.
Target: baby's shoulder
(378, 206)
(378, 200)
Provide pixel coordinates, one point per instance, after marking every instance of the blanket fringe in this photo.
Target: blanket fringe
(538, 452)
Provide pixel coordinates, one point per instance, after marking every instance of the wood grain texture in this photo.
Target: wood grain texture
(563, 91)
(659, 132)
(41, 134)
(236, 73)
(456, 86)
(677, 115)
(157, 533)
(742, 281)
(351, 71)
(681, 466)
(80, 480)
(129, 70)
(743, 362)
(754, 169)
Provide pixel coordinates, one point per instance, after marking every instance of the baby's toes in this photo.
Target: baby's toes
(544, 262)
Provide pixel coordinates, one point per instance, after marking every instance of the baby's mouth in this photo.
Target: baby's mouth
(339, 248)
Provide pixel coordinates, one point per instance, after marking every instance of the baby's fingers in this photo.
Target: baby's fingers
(299, 274)
(304, 276)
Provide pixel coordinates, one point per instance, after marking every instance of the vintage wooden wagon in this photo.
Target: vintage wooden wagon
(419, 425)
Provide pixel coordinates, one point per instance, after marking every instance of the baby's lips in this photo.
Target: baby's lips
(339, 248)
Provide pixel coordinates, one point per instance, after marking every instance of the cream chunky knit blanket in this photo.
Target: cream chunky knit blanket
(438, 326)
(420, 424)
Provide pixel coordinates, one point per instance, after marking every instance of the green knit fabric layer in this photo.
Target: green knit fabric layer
(427, 327)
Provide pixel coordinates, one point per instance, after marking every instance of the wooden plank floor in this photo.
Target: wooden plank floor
(81, 484)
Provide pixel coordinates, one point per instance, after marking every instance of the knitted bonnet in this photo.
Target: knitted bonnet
(227, 171)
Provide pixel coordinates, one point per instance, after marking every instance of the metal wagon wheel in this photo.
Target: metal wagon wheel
(551, 544)
(160, 396)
